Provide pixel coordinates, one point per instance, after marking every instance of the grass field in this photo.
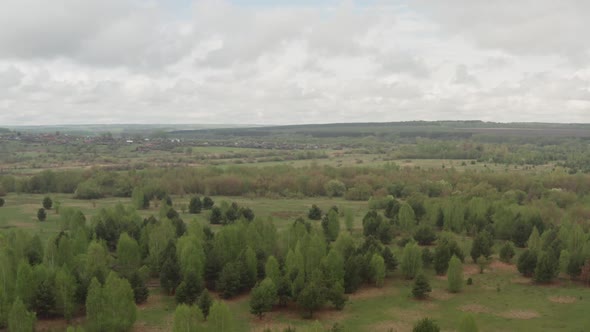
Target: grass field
(500, 299)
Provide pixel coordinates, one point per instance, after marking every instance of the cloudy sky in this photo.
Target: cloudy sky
(298, 61)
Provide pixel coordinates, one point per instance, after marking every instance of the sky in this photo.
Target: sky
(293, 62)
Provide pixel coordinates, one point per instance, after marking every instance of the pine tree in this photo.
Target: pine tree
(482, 246)
(527, 262)
(421, 287)
(195, 205)
(547, 267)
(442, 255)
(189, 289)
(41, 215)
(204, 302)
(140, 290)
(208, 203)
(47, 203)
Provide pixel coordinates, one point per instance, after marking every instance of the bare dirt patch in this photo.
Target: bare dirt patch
(372, 292)
(441, 294)
(562, 299)
(286, 214)
(520, 314)
(475, 308)
(502, 267)
(521, 280)
(470, 270)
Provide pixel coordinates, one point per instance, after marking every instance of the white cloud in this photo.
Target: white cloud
(135, 61)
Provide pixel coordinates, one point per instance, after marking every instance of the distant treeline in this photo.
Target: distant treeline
(354, 183)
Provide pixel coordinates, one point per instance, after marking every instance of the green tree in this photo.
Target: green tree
(229, 282)
(426, 325)
(442, 256)
(47, 203)
(468, 324)
(411, 262)
(336, 296)
(187, 319)
(547, 267)
(65, 292)
(140, 200)
(272, 269)
(97, 262)
(208, 203)
(263, 297)
(128, 255)
(527, 262)
(216, 216)
(482, 262)
(121, 312)
(140, 290)
(331, 225)
(335, 188)
(195, 205)
(96, 307)
(421, 287)
(41, 215)
(406, 217)
(482, 246)
(455, 275)
(349, 220)
(424, 235)
(34, 251)
(19, 319)
(315, 213)
(205, 302)
(2, 201)
(25, 284)
(44, 302)
(377, 269)
(534, 242)
(189, 289)
(507, 252)
(311, 298)
(170, 275)
(564, 260)
(220, 318)
(251, 268)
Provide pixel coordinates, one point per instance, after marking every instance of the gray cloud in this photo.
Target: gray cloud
(139, 61)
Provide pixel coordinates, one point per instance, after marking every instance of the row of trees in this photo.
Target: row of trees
(355, 183)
